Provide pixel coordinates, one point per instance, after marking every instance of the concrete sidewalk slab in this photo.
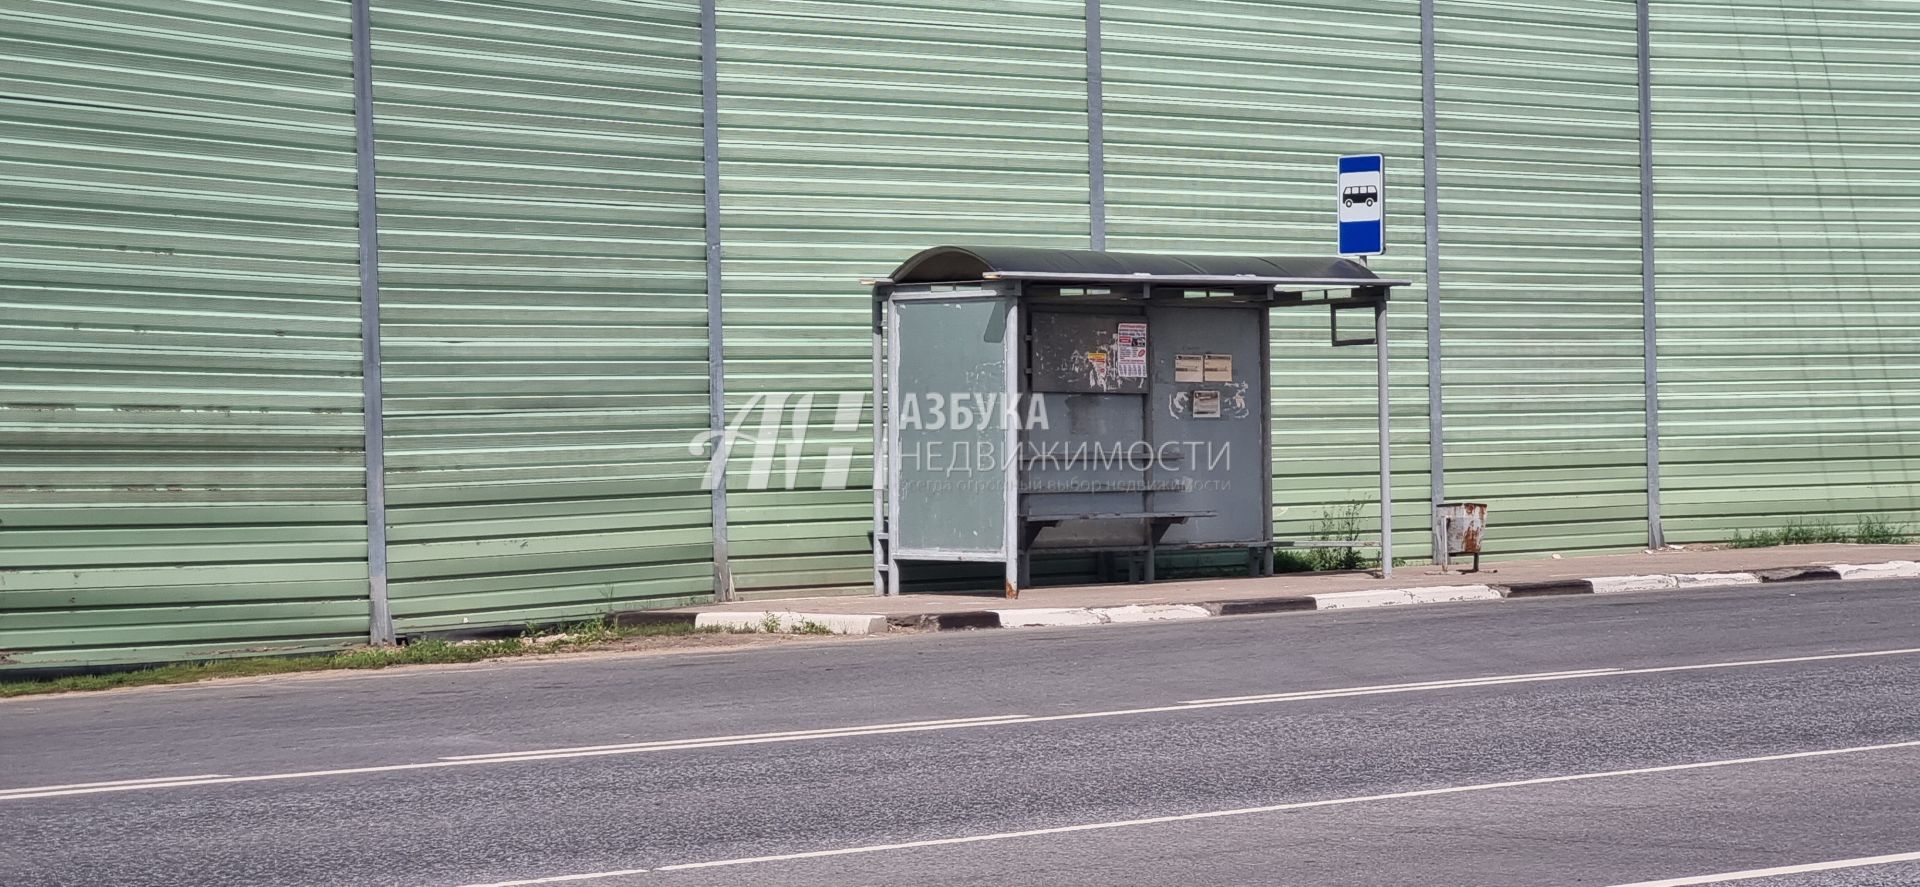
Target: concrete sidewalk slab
(1194, 599)
(1502, 573)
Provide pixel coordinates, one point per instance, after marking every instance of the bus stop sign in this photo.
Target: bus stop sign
(1362, 201)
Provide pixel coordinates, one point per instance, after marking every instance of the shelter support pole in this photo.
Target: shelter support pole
(1011, 536)
(889, 319)
(1649, 320)
(1386, 449)
(882, 532)
(372, 396)
(716, 326)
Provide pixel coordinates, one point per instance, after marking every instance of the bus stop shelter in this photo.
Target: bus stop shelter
(1030, 401)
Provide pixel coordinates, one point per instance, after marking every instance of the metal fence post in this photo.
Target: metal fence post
(1649, 310)
(1096, 133)
(373, 405)
(1430, 203)
(716, 327)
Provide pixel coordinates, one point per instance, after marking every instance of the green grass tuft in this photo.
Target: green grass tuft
(1877, 531)
(1866, 531)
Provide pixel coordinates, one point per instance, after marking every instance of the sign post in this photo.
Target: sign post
(1361, 197)
(1360, 194)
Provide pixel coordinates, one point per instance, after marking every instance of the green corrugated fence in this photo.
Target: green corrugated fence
(543, 308)
(1538, 133)
(851, 136)
(1788, 194)
(182, 429)
(1222, 122)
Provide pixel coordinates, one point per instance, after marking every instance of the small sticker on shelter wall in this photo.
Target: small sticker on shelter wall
(1206, 404)
(1189, 368)
(1130, 351)
(1098, 365)
(1219, 368)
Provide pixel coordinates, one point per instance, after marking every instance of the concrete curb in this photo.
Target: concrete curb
(1628, 584)
(964, 619)
(1797, 574)
(787, 622)
(1151, 612)
(1449, 593)
(1888, 570)
(1259, 605)
(645, 618)
(1047, 617)
(1347, 600)
(1548, 589)
(1663, 581)
(1714, 580)
(1058, 617)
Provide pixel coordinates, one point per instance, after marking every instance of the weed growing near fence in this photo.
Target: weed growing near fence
(1866, 531)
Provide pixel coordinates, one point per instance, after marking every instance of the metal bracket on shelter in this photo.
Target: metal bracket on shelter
(1333, 324)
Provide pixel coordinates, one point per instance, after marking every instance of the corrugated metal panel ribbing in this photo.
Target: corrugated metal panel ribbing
(1222, 122)
(544, 317)
(1538, 124)
(180, 459)
(1788, 197)
(853, 135)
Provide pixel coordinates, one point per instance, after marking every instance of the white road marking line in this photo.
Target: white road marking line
(1743, 663)
(1724, 877)
(561, 879)
(55, 792)
(691, 744)
(137, 783)
(1386, 688)
(1242, 811)
(911, 727)
(664, 743)
(1531, 678)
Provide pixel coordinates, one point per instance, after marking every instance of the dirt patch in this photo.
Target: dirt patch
(187, 678)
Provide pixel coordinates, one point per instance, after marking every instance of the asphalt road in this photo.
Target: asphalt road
(1583, 741)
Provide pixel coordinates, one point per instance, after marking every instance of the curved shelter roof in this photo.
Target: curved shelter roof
(948, 264)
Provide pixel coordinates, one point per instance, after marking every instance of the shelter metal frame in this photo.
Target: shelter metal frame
(1000, 275)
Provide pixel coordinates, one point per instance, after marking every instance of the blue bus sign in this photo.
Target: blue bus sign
(1362, 202)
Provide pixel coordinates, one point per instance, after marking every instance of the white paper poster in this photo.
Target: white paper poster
(1206, 404)
(1189, 368)
(1219, 368)
(1130, 351)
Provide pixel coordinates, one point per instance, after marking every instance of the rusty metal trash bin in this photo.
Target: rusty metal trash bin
(1461, 526)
